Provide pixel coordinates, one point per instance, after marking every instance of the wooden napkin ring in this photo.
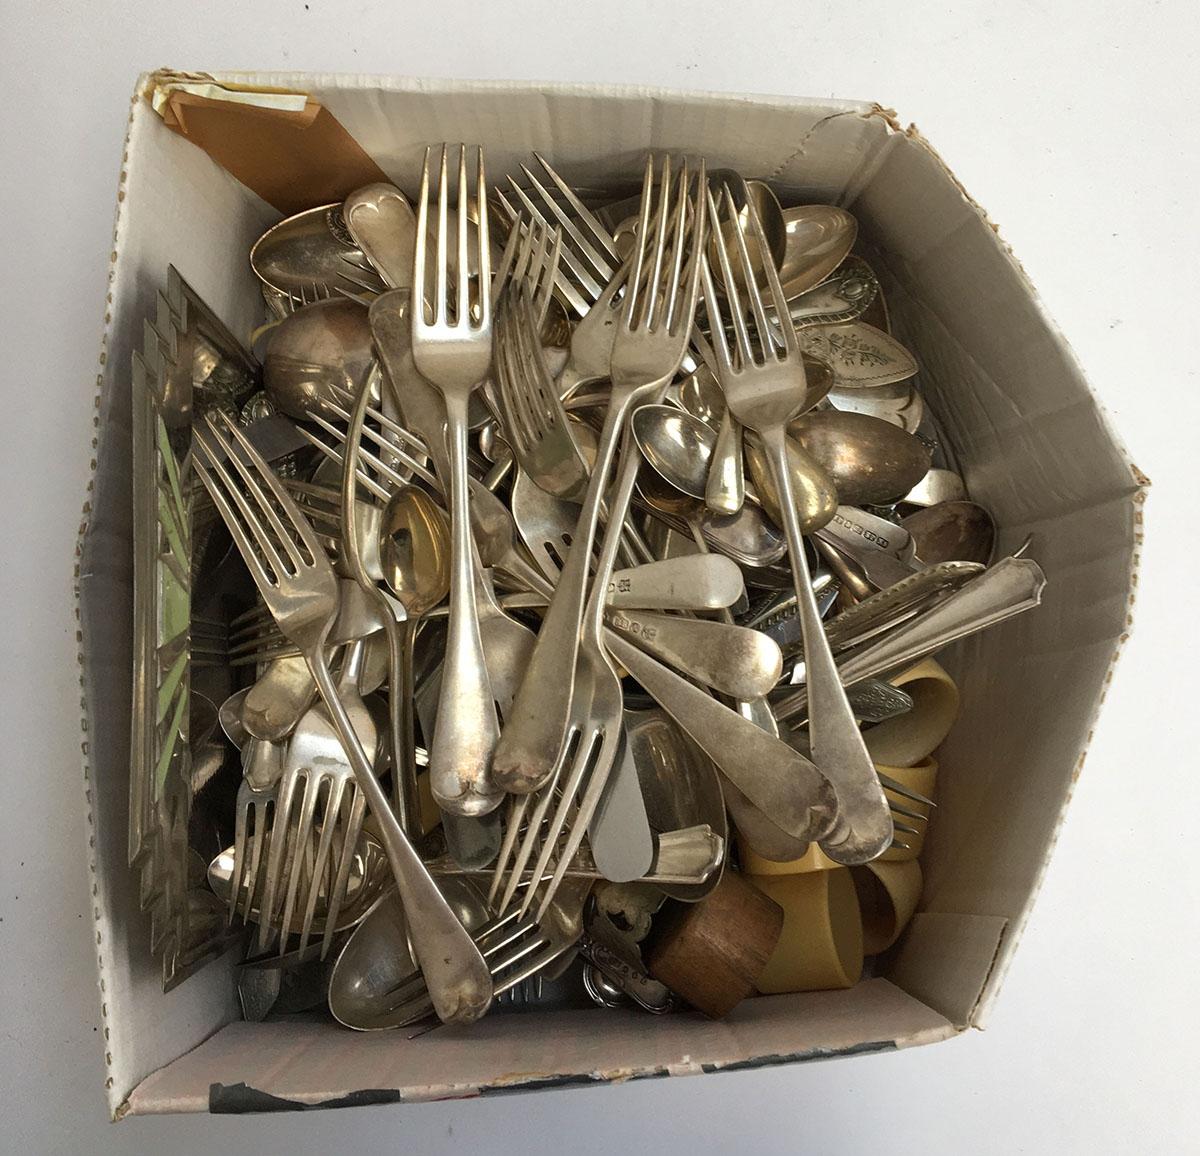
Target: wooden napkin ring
(711, 953)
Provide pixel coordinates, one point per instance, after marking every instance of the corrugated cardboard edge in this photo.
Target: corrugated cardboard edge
(240, 1099)
(85, 520)
(210, 1078)
(1011, 935)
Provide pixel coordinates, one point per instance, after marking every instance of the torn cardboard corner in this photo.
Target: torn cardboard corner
(283, 145)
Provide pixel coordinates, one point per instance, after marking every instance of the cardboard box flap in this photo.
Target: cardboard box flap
(293, 157)
(1008, 398)
(597, 135)
(175, 191)
(945, 960)
(299, 1064)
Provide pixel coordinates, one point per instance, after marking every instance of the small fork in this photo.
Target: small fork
(452, 349)
(297, 581)
(535, 423)
(589, 254)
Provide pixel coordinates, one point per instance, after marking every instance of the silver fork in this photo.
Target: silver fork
(534, 734)
(516, 950)
(452, 348)
(764, 383)
(535, 423)
(252, 822)
(317, 791)
(656, 319)
(298, 583)
(589, 255)
(536, 251)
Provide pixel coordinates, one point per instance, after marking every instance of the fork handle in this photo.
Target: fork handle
(456, 974)
(836, 743)
(536, 725)
(460, 758)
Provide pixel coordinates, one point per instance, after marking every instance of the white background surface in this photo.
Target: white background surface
(1074, 124)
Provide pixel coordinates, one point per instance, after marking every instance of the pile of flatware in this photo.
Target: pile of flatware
(551, 545)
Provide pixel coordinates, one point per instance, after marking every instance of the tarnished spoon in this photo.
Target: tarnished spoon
(817, 239)
(871, 461)
(312, 255)
(748, 537)
(812, 486)
(952, 532)
(414, 549)
(319, 349)
(383, 225)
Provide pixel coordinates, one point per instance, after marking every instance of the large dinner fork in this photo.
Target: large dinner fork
(763, 379)
(298, 584)
(654, 321)
(452, 349)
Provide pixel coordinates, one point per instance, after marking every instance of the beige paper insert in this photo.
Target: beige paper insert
(283, 145)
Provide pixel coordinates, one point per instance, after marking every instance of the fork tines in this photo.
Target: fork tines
(468, 306)
(662, 293)
(589, 256)
(253, 503)
(762, 339)
(535, 423)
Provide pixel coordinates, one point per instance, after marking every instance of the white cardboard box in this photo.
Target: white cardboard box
(1013, 405)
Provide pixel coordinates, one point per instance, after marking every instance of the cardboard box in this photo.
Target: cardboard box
(1025, 430)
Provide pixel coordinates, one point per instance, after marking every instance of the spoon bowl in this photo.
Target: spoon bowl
(676, 445)
(813, 488)
(414, 550)
(817, 238)
(311, 255)
(952, 532)
(899, 403)
(318, 350)
(770, 215)
(748, 537)
(700, 394)
(377, 957)
(370, 877)
(871, 461)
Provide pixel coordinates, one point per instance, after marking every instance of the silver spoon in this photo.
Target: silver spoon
(748, 537)
(377, 956)
(871, 461)
(384, 226)
(817, 239)
(959, 531)
(312, 255)
(320, 348)
(415, 553)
